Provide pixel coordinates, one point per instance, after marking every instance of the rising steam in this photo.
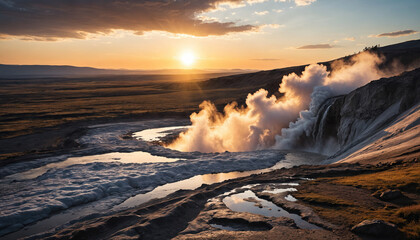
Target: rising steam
(270, 122)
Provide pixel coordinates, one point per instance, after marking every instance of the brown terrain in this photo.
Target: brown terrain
(341, 196)
(363, 197)
(54, 110)
(372, 193)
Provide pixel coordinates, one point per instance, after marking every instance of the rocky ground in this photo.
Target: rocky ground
(383, 199)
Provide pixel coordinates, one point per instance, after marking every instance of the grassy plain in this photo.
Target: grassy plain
(39, 115)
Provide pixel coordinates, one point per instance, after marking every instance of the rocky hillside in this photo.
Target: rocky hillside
(404, 55)
(377, 121)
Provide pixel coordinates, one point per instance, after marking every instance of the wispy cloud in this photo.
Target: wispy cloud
(316, 46)
(229, 4)
(298, 2)
(352, 39)
(304, 2)
(255, 1)
(278, 10)
(262, 13)
(273, 25)
(396, 33)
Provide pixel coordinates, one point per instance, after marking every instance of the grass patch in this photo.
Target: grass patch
(27, 105)
(411, 230)
(346, 212)
(404, 177)
(318, 199)
(411, 213)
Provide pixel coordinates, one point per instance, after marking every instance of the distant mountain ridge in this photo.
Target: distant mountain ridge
(406, 53)
(51, 70)
(31, 71)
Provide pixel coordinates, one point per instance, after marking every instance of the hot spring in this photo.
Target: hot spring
(112, 172)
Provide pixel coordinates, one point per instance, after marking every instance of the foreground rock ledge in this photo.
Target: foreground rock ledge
(376, 228)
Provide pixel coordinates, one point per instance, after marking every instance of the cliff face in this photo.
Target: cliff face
(351, 122)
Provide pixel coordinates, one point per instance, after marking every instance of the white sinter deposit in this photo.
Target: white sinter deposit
(54, 184)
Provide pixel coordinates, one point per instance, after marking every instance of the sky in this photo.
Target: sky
(198, 34)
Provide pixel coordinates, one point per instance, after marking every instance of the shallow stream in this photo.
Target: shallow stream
(121, 173)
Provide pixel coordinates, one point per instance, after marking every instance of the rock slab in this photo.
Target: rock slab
(378, 228)
(390, 195)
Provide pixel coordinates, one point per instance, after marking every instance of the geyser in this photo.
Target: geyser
(270, 122)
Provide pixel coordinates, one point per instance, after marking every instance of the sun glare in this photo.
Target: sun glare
(187, 59)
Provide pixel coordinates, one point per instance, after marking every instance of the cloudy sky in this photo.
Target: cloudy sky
(208, 34)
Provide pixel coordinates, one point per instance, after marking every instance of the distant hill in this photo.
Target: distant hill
(52, 71)
(37, 71)
(405, 53)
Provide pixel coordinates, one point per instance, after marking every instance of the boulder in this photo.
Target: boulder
(390, 195)
(376, 228)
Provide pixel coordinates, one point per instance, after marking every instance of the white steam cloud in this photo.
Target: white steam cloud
(344, 78)
(270, 122)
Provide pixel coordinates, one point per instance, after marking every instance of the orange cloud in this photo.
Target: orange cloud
(396, 33)
(49, 20)
(316, 46)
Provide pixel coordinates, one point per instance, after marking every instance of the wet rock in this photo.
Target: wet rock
(239, 224)
(390, 195)
(376, 228)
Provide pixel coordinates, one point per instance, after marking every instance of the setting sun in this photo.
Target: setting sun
(187, 59)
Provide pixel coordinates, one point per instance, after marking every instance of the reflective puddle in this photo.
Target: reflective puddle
(197, 181)
(249, 202)
(155, 134)
(187, 184)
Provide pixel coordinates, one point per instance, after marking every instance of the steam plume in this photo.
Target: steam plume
(270, 122)
(344, 78)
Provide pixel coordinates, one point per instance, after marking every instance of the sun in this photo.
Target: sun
(187, 58)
